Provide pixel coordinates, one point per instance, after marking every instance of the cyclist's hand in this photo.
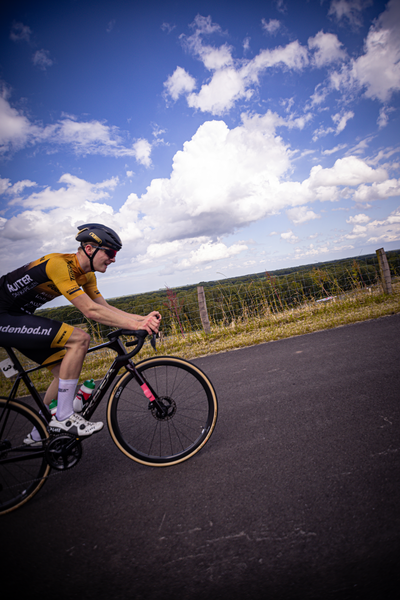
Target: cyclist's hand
(151, 322)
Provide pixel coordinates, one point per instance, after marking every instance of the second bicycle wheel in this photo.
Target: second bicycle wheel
(149, 438)
(23, 469)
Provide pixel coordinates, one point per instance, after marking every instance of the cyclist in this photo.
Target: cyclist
(45, 340)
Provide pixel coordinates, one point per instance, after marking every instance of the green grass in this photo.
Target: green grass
(360, 305)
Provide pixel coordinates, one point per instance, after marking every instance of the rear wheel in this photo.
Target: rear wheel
(186, 422)
(23, 468)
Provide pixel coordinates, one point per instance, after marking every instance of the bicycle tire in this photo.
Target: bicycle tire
(144, 438)
(23, 469)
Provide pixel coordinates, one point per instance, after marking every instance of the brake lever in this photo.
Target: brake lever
(153, 340)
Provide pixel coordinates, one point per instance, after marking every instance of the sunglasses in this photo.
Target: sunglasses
(110, 253)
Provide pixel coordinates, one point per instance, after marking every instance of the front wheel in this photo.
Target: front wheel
(144, 434)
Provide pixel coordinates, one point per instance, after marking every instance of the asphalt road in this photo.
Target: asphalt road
(296, 495)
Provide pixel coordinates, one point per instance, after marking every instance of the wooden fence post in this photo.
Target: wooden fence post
(385, 271)
(203, 309)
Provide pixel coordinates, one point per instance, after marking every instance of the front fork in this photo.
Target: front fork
(155, 403)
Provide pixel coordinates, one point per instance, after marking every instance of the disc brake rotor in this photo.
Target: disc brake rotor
(167, 410)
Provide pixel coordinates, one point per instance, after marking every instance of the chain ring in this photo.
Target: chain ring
(59, 456)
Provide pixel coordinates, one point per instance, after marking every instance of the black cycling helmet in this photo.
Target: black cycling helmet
(98, 234)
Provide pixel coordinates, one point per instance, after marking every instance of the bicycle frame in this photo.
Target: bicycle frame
(123, 359)
(160, 434)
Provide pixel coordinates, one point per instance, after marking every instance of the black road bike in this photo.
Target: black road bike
(160, 412)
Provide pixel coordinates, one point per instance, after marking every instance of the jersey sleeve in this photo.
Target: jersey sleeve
(90, 287)
(60, 272)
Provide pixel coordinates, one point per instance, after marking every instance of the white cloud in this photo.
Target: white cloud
(42, 59)
(19, 187)
(83, 137)
(49, 217)
(379, 68)
(142, 151)
(377, 191)
(293, 56)
(348, 171)
(378, 231)
(335, 149)
(212, 58)
(383, 118)
(167, 27)
(289, 236)
(281, 6)
(180, 82)
(226, 87)
(231, 80)
(209, 252)
(321, 132)
(327, 49)
(222, 180)
(349, 10)
(341, 120)
(301, 214)
(20, 32)
(377, 71)
(271, 26)
(157, 251)
(15, 129)
(4, 185)
(357, 219)
(74, 193)
(232, 83)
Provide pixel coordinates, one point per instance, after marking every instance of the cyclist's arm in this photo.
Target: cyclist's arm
(99, 310)
(139, 318)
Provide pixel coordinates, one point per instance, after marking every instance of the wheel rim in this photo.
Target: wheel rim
(141, 433)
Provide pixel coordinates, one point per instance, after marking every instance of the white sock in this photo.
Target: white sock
(65, 400)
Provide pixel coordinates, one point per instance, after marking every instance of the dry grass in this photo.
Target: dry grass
(360, 305)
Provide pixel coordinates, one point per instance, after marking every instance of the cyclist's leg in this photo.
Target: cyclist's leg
(76, 345)
(47, 341)
(71, 365)
(52, 390)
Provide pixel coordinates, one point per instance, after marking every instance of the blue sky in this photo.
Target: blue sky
(215, 137)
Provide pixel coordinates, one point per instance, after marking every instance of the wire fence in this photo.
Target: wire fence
(237, 299)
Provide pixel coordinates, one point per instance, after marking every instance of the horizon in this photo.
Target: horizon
(61, 301)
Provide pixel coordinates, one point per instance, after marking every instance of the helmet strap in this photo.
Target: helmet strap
(91, 258)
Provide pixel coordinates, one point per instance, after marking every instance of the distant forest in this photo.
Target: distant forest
(228, 298)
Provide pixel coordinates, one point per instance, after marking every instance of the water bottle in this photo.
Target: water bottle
(53, 407)
(83, 396)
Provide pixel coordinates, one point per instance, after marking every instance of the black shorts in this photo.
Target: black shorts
(38, 338)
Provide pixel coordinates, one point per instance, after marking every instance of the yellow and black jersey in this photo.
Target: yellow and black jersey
(29, 287)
